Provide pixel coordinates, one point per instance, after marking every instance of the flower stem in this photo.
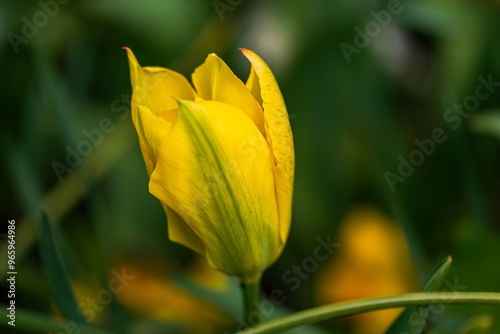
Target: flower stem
(343, 309)
(251, 301)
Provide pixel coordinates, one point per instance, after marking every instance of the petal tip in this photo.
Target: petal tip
(131, 57)
(246, 52)
(181, 102)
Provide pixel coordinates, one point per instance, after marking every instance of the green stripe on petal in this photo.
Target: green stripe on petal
(216, 171)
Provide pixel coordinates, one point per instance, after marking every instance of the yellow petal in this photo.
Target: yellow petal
(253, 85)
(180, 232)
(156, 87)
(216, 171)
(151, 131)
(215, 81)
(279, 136)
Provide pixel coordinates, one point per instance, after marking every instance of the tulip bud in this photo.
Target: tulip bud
(220, 159)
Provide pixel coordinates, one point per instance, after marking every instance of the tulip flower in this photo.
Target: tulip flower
(220, 159)
(153, 296)
(375, 261)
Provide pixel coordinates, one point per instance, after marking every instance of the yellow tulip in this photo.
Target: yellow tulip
(220, 159)
(374, 260)
(153, 296)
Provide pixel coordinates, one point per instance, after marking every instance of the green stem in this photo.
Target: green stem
(251, 301)
(343, 309)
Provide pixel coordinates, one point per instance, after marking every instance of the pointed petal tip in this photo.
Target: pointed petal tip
(181, 102)
(246, 51)
(130, 55)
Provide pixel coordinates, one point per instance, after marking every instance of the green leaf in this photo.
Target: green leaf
(435, 282)
(56, 274)
(34, 322)
(403, 323)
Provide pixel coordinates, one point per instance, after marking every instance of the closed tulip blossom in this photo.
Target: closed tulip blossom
(220, 159)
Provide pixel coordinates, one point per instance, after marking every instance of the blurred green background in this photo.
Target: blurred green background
(354, 118)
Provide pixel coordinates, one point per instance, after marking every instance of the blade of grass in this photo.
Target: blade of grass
(403, 322)
(344, 309)
(56, 274)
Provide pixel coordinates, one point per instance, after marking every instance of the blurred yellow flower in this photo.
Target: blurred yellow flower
(220, 159)
(151, 294)
(373, 260)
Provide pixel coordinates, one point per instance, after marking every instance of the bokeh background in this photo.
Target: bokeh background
(355, 115)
